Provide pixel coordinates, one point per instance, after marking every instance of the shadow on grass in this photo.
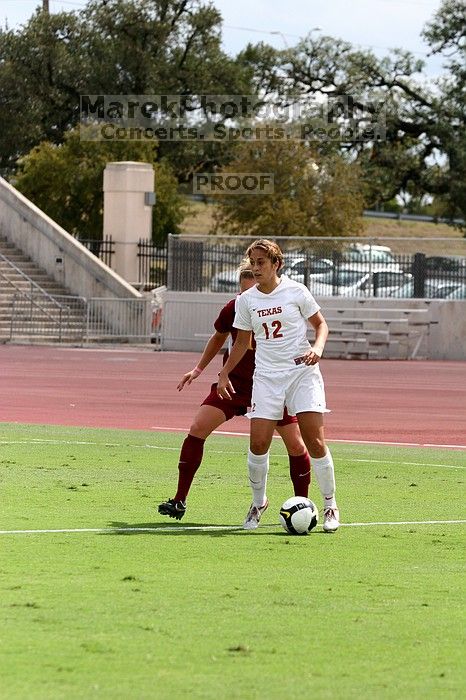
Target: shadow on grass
(203, 529)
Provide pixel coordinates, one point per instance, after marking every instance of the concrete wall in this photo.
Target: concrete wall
(447, 339)
(188, 317)
(56, 251)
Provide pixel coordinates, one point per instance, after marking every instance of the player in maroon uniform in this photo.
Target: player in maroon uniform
(214, 411)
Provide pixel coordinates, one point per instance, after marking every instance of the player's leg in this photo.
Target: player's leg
(258, 468)
(311, 425)
(206, 420)
(266, 409)
(306, 398)
(298, 456)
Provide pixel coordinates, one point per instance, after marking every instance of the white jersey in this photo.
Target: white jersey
(279, 323)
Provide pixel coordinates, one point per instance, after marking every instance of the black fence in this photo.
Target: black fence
(353, 270)
(103, 249)
(328, 267)
(152, 264)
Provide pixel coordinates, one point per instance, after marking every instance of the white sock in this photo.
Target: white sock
(258, 467)
(325, 475)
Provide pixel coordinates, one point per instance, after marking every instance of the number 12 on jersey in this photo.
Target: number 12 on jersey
(275, 333)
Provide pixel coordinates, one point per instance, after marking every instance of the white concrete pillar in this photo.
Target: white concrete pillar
(127, 217)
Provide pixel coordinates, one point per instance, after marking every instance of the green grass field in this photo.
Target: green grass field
(374, 611)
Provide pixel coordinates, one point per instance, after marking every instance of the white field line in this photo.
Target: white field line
(208, 528)
(406, 464)
(39, 441)
(401, 444)
(355, 441)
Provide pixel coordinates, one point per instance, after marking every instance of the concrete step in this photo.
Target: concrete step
(35, 275)
(12, 254)
(26, 268)
(24, 286)
(17, 259)
(27, 325)
(29, 268)
(25, 262)
(10, 291)
(45, 339)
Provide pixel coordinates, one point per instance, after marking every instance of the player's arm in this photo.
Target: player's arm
(212, 348)
(241, 344)
(320, 327)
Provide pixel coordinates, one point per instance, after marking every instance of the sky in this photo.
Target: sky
(378, 24)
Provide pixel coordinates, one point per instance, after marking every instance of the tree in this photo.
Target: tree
(117, 47)
(66, 182)
(446, 35)
(43, 69)
(354, 86)
(421, 151)
(313, 195)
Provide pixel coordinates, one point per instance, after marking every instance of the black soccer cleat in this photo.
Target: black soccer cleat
(172, 508)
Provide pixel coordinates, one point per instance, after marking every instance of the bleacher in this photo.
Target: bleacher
(366, 328)
(386, 329)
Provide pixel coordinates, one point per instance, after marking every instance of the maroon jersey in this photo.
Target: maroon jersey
(241, 375)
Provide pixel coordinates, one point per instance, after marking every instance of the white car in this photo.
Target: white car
(302, 269)
(377, 254)
(451, 291)
(406, 291)
(227, 281)
(295, 267)
(349, 281)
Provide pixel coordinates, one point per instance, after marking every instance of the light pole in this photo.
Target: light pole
(278, 33)
(45, 6)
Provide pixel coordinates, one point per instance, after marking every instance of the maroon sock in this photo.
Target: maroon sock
(190, 460)
(300, 473)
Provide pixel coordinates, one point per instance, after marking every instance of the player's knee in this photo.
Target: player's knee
(296, 448)
(259, 446)
(317, 447)
(194, 429)
(200, 430)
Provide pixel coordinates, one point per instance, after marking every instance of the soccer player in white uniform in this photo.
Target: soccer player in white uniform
(277, 310)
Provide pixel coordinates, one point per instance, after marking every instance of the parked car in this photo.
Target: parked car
(294, 267)
(445, 264)
(349, 281)
(373, 254)
(452, 291)
(301, 267)
(226, 281)
(406, 291)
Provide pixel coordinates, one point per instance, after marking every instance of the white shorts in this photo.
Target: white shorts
(300, 390)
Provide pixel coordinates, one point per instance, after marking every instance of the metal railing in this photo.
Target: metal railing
(78, 321)
(81, 321)
(34, 310)
(119, 320)
(61, 320)
(33, 286)
(38, 315)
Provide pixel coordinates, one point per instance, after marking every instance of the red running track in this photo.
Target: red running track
(408, 402)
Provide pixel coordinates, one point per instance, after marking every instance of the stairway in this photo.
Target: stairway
(33, 307)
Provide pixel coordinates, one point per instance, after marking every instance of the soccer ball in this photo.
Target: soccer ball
(298, 515)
